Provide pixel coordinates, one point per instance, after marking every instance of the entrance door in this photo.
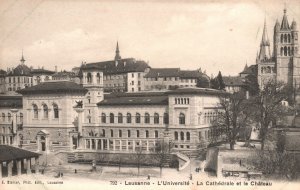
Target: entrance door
(43, 143)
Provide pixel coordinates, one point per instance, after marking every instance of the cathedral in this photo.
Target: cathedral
(284, 63)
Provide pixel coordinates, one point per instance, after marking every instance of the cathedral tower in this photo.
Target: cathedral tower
(286, 51)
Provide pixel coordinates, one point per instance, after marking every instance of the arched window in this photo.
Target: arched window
(166, 118)
(285, 38)
(147, 118)
(112, 133)
(182, 136)
(137, 118)
(289, 51)
(103, 132)
(120, 133)
(89, 78)
(175, 100)
(137, 133)
(281, 38)
(128, 133)
(156, 134)
(9, 116)
(176, 135)
(55, 111)
(35, 111)
(289, 38)
(21, 117)
(181, 119)
(3, 116)
(111, 118)
(128, 118)
(281, 51)
(285, 51)
(103, 118)
(188, 101)
(120, 118)
(184, 100)
(45, 109)
(98, 78)
(147, 134)
(188, 136)
(156, 118)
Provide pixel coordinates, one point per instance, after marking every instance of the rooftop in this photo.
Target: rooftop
(54, 87)
(11, 102)
(13, 153)
(233, 81)
(119, 66)
(172, 72)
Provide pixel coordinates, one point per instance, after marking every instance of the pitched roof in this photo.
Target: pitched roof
(163, 72)
(172, 72)
(118, 66)
(139, 98)
(54, 87)
(42, 71)
(233, 81)
(11, 102)
(252, 69)
(198, 91)
(284, 23)
(64, 74)
(13, 153)
(20, 70)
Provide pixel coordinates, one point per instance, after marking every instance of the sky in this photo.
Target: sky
(209, 34)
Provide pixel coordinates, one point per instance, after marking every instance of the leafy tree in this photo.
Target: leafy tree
(233, 117)
(267, 106)
(274, 159)
(138, 156)
(252, 84)
(203, 81)
(217, 82)
(162, 152)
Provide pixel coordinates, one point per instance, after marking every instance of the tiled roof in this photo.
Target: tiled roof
(13, 153)
(42, 71)
(11, 102)
(139, 98)
(233, 81)
(172, 72)
(163, 72)
(116, 67)
(2, 72)
(64, 74)
(20, 70)
(199, 91)
(252, 69)
(54, 87)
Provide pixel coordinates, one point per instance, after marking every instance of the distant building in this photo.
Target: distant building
(283, 63)
(234, 83)
(120, 75)
(171, 78)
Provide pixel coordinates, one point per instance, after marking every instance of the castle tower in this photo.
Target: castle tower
(286, 51)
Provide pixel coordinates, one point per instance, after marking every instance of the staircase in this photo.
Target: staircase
(185, 158)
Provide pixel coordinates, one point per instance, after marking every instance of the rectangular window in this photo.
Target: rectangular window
(132, 75)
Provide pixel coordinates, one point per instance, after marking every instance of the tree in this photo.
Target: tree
(267, 105)
(162, 152)
(233, 117)
(138, 156)
(217, 82)
(252, 84)
(274, 159)
(203, 81)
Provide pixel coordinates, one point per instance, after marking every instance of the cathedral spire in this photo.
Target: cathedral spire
(117, 56)
(264, 53)
(22, 58)
(284, 23)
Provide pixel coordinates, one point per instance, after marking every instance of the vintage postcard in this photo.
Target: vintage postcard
(149, 94)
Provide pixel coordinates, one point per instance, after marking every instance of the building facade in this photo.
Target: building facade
(284, 63)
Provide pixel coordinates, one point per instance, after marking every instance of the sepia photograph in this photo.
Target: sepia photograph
(149, 94)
